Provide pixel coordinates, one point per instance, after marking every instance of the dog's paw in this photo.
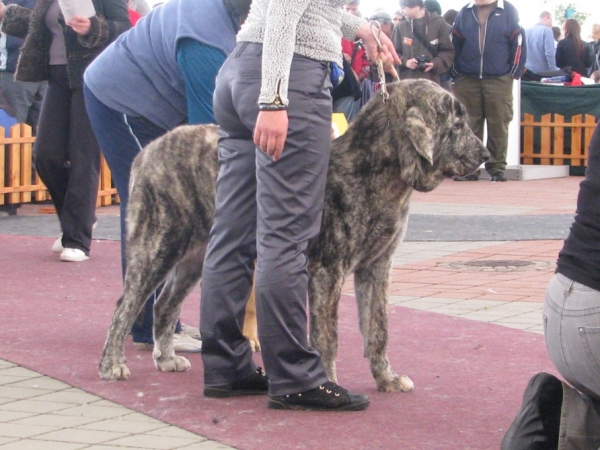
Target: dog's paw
(115, 373)
(173, 364)
(396, 384)
(254, 344)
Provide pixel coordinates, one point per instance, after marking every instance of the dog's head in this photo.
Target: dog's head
(427, 128)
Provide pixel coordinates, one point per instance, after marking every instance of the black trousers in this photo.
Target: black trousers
(67, 158)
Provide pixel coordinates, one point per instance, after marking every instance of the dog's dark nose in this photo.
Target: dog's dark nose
(485, 155)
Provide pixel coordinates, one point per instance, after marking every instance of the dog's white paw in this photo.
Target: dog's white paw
(254, 344)
(173, 364)
(396, 384)
(115, 373)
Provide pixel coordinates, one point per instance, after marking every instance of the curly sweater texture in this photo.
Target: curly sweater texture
(310, 28)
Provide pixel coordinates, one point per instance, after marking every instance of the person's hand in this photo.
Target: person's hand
(80, 24)
(428, 67)
(387, 52)
(2, 10)
(270, 132)
(411, 63)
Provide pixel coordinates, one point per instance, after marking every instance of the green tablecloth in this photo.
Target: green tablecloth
(540, 98)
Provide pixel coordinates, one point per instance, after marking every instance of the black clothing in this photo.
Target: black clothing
(566, 55)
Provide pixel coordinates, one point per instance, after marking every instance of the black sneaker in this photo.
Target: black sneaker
(498, 176)
(327, 397)
(470, 177)
(255, 384)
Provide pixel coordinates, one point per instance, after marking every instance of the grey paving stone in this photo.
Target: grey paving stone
(78, 436)
(15, 430)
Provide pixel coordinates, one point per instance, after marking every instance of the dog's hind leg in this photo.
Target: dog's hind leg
(324, 289)
(147, 267)
(181, 281)
(371, 286)
(136, 291)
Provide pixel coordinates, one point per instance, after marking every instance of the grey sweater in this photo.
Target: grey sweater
(307, 27)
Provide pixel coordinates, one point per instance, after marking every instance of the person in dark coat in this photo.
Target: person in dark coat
(67, 156)
(572, 51)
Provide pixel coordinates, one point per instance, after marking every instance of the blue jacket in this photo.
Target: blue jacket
(13, 44)
(139, 75)
(504, 49)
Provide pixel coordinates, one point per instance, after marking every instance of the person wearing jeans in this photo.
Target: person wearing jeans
(557, 414)
(141, 87)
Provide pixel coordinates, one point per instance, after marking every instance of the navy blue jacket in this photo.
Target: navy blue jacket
(504, 49)
(13, 44)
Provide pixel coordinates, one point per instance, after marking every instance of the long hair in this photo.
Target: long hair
(573, 30)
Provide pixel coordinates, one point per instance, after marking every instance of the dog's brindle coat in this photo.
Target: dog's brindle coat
(413, 141)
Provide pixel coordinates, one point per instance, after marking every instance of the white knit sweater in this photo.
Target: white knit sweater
(311, 28)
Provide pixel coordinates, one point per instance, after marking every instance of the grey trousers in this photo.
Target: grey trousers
(572, 330)
(265, 211)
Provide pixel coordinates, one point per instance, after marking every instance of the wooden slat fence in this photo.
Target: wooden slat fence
(19, 182)
(552, 141)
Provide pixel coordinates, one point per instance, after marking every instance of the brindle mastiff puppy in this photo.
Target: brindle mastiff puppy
(413, 141)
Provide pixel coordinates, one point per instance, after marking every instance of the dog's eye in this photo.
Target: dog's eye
(457, 126)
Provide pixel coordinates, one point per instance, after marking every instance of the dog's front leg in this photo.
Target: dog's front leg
(250, 329)
(324, 289)
(371, 286)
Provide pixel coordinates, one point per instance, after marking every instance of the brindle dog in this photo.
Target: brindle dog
(413, 141)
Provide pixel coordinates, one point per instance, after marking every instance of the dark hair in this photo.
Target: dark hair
(238, 8)
(382, 17)
(573, 30)
(433, 6)
(411, 3)
(557, 32)
(450, 16)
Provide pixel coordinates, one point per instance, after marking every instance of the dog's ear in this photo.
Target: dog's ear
(419, 133)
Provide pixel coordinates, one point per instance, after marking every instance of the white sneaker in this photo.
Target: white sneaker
(182, 343)
(190, 331)
(73, 255)
(57, 246)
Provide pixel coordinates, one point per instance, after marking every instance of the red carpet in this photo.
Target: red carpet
(469, 376)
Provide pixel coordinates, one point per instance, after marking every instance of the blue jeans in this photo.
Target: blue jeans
(121, 138)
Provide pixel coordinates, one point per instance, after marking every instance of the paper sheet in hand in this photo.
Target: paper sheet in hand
(72, 8)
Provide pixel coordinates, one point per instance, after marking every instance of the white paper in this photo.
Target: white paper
(72, 8)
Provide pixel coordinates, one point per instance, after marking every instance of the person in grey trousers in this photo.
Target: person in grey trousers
(557, 414)
(273, 103)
